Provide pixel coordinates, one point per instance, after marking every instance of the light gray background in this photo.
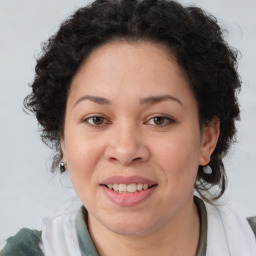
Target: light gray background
(28, 191)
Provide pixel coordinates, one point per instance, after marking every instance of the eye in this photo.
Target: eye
(160, 121)
(96, 120)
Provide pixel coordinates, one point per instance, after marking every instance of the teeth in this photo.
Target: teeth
(122, 188)
(139, 187)
(145, 186)
(130, 188)
(110, 186)
(115, 187)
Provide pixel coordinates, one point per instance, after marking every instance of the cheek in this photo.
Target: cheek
(82, 157)
(178, 159)
(81, 150)
(81, 168)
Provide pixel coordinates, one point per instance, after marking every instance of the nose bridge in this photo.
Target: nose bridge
(127, 137)
(126, 145)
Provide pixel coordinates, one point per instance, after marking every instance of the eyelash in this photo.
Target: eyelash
(167, 121)
(93, 124)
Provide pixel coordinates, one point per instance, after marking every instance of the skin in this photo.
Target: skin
(128, 141)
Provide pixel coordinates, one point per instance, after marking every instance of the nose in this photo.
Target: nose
(127, 146)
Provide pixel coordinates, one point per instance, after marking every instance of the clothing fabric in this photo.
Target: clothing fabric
(222, 233)
(25, 243)
(228, 234)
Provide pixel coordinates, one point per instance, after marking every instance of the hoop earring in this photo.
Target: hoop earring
(63, 166)
(207, 169)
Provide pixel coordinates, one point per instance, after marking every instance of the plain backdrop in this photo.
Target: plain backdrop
(28, 191)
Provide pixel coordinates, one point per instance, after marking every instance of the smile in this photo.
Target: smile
(129, 188)
(127, 191)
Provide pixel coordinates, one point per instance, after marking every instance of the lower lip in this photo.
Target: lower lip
(128, 199)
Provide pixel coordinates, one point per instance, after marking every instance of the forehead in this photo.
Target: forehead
(135, 54)
(129, 68)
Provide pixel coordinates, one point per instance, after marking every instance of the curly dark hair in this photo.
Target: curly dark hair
(191, 35)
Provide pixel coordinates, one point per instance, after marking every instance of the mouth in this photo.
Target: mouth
(128, 191)
(128, 188)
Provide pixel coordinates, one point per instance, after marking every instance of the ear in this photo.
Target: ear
(210, 135)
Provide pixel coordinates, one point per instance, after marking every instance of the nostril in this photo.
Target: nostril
(112, 159)
(127, 155)
(136, 159)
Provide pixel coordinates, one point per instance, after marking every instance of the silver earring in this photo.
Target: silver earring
(207, 169)
(62, 166)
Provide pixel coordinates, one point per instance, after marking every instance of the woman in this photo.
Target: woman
(138, 98)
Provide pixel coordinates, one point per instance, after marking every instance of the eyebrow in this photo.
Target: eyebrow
(96, 99)
(160, 98)
(147, 100)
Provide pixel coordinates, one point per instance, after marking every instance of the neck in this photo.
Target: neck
(178, 237)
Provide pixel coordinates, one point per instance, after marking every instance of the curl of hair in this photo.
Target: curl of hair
(191, 35)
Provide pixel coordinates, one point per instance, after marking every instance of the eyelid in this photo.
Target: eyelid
(85, 120)
(169, 119)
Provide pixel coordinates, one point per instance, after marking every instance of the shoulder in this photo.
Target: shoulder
(25, 243)
(59, 234)
(230, 230)
(252, 222)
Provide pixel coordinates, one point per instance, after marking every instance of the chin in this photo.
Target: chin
(130, 226)
(130, 230)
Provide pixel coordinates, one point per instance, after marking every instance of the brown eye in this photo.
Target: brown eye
(160, 121)
(96, 120)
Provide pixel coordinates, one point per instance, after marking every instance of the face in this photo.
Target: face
(132, 141)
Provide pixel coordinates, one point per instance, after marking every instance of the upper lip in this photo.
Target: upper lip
(127, 180)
